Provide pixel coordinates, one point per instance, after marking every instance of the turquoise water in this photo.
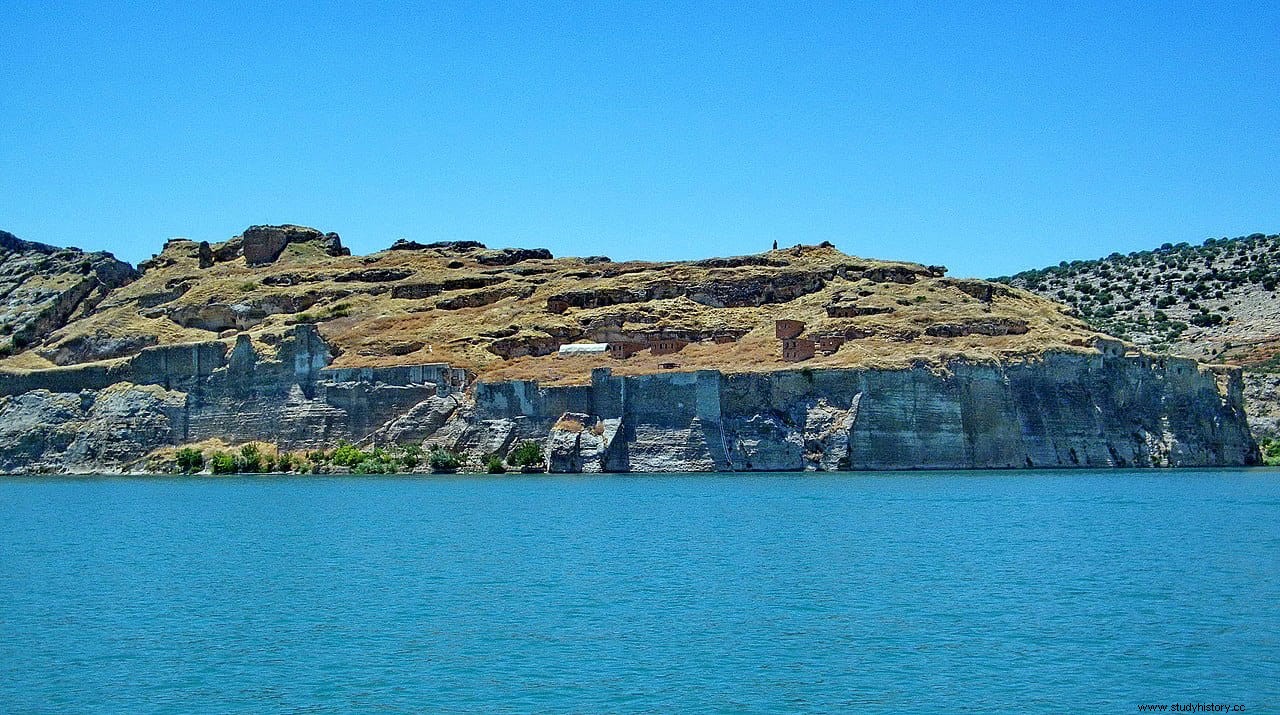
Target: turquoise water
(925, 592)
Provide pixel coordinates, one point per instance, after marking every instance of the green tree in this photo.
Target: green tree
(347, 455)
(527, 454)
(222, 463)
(441, 458)
(250, 459)
(190, 460)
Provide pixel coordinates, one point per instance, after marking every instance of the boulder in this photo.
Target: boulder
(264, 244)
(407, 245)
(511, 256)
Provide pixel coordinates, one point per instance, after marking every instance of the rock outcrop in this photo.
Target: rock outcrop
(404, 244)
(109, 417)
(264, 244)
(43, 287)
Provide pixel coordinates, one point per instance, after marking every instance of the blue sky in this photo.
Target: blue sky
(987, 137)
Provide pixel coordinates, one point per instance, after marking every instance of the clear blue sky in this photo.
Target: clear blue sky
(986, 137)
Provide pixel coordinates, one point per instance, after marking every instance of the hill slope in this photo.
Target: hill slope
(42, 287)
(504, 313)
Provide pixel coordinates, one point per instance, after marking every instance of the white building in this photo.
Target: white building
(583, 349)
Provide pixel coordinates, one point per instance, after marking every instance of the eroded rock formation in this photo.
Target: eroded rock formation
(43, 287)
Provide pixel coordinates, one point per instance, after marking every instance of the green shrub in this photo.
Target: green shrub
(526, 454)
(250, 460)
(1270, 452)
(190, 460)
(441, 458)
(1205, 320)
(412, 456)
(493, 464)
(347, 455)
(374, 466)
(222, 463)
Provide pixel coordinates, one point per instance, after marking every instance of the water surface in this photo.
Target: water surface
(977, 591)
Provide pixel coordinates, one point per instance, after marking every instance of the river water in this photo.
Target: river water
(905, 592)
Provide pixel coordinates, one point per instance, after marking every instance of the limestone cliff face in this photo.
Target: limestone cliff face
(1064, 410)
(109, 417)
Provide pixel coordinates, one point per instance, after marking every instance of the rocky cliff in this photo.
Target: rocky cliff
(1060, 410)
(801, 358)
(1064, 410)
(42, 288)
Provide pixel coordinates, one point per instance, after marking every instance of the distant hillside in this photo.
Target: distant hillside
(1217, 301)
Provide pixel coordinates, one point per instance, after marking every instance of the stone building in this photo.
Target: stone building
(797, 349)
(623, 349)
(788, 329)
(665, 346)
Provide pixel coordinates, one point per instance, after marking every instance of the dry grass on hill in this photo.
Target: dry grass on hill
(449, 305)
